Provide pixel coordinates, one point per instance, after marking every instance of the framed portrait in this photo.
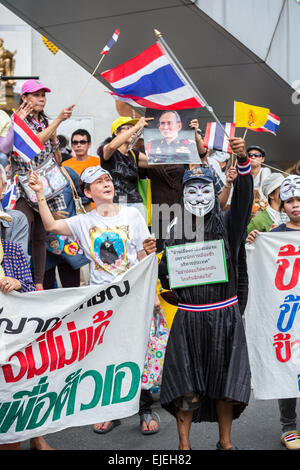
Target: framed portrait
(169, 139)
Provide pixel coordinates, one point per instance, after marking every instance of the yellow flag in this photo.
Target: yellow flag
(252, 117)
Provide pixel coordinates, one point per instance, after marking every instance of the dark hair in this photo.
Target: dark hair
(63, 141)
(82, 132)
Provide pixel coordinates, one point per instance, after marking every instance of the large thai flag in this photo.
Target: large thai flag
(152, 80)
(216, 139)
(271, 125)
(26, 143)
(9, 198)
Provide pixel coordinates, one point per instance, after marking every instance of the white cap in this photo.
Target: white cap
(91, 173)
(272, 182)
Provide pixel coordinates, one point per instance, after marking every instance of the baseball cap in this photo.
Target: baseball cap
(122, 121)
(91, 173)
(198, 173)
(33, 85)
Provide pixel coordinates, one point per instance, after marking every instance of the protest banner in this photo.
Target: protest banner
(272, 315)
(196, 263)
(72, 357)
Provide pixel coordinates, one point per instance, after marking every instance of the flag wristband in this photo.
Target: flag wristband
(244, 168)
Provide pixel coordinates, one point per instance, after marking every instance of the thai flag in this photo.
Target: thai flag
(152, 80)
(216, 139)
(271, 125)
(9, 199)
(26, 143)
(111, 43)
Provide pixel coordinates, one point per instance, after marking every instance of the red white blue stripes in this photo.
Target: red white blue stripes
(111, 43)
(9, 199)
(209, 307)
(26, 143)
(244, 168)
(151, 80)
(216, 139)
(271, 125)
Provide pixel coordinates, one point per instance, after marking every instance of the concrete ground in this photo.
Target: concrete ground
(258, 429)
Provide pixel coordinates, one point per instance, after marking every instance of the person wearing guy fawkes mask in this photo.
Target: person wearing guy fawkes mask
(206, 375)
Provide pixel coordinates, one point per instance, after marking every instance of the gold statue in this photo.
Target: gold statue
(7, 68)
(7, 63)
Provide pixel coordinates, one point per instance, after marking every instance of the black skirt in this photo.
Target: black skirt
(207, 354)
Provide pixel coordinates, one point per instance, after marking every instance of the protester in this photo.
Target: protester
(15, 275)
(123, 163)
(7, 130)
(219, 161)
(273, 214)
(206, 375)
(223, 190)
(257, 157)
(111, 237)
(65, 254)
(33, 92)
(63, 147)
(81, 142)
(13, 222)
(290, 197)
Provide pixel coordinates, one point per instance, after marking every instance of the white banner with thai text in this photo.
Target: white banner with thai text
(272, 314)
(72, 357)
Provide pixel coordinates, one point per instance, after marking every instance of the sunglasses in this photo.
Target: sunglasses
(81, 142)
(254, 155)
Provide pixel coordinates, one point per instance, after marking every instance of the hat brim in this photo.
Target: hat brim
(130, 121)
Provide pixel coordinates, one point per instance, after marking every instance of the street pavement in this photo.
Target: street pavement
(257, 429)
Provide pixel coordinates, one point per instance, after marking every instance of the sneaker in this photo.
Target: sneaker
(291, 440)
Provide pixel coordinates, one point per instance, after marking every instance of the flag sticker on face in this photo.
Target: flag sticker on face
(215, 137)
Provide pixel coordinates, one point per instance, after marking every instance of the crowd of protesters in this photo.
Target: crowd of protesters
(97, 189)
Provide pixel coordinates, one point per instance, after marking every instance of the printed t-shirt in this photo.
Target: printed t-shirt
(79, 166)
(110, 243)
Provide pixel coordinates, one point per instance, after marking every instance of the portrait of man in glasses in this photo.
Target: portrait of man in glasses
(169, 139)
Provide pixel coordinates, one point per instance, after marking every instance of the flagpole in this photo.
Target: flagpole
(187, 77)
(88, 80)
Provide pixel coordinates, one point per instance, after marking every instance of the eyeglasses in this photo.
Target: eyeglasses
(81, 142)
(254, 155)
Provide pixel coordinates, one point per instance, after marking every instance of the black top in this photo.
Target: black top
(229, 226)
(123, 170)
(283, 228)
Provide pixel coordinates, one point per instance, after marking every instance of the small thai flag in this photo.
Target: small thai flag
(271, 125)
(26, 143)
(9, 199)
(111, 43)
(215, 137)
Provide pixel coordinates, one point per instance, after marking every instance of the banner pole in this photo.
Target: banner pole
(187, 77)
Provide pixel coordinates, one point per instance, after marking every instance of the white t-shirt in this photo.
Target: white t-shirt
(260, 177)
(110, 243)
